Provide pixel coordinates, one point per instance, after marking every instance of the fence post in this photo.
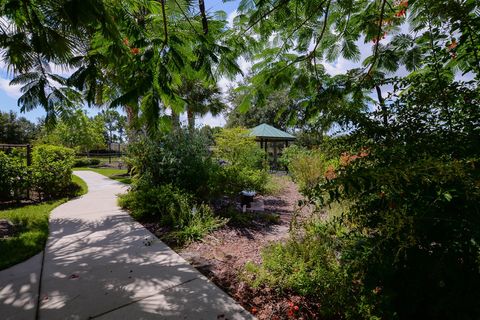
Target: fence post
(29, 155)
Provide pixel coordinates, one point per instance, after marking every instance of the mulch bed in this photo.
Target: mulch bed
(221, 257)
(222, 254)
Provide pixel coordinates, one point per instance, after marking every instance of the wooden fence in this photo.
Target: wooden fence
(7, 147)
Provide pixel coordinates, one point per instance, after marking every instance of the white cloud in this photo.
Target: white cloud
(208, 119)
(61, 70)
(231, 16)
(11, 91)
(224, 83)
(342, 65)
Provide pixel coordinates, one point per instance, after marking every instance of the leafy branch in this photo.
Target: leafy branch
(379, 34)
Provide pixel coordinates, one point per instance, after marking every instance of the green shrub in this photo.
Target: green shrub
(244, 163)
(172, 208)
(308, 264)
(14, 177)
(413, 233)
(52, 170)
(201, 221)
(229, 180)
(179, 158)
(86, 162)
(308, 168)
(163, 203)
(238, 148)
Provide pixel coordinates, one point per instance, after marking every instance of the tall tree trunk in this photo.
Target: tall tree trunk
(131, 130)
(201, 5)
(175, 121)
(191, 119)
(131, 122)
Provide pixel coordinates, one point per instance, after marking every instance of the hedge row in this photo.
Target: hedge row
(48, 177)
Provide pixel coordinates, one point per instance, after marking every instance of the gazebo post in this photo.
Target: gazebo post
(275, 153)
(266, 149)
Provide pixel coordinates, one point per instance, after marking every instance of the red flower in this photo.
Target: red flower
(400, 13)
(295, 308)
(453, 45)
(254, 310)
(134, 51)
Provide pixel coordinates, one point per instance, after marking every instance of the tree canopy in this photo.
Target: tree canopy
(16, 130)
(130, 55)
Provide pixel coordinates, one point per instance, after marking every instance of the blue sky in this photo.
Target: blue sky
(9, 94)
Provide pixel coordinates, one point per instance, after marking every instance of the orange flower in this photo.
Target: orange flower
(330, 173)
(254, 310)
(401, 13)
(125, 41)
(134, 51)
(452, 45)
(344, 159)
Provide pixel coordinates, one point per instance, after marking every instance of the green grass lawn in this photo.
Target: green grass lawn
(112, 173)
(32, 223)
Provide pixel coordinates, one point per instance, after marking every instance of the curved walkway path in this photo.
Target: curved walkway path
(98, 265)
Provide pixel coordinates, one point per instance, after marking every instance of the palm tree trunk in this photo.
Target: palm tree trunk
(191, 119)
(175, 121)
(131, 131)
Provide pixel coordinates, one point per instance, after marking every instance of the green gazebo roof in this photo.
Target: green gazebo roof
(264, 131)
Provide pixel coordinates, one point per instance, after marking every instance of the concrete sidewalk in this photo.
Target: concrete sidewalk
(97, 266)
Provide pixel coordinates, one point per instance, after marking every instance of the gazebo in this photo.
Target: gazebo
(271, 139)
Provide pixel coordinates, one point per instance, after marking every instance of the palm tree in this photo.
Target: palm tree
(41, 87)
(200, 98)
(129, 55)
